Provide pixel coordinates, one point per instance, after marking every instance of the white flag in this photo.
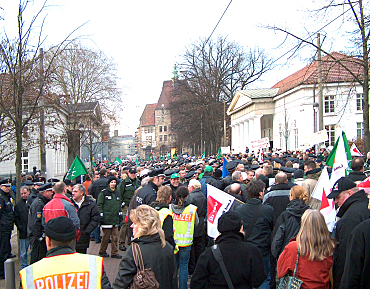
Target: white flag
(355, 152)
(218, 203)
(320, 192)
(340, 164)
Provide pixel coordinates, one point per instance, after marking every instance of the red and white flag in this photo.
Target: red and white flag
(365, 185)
(321, 191)
(355, 152)
(218, 203)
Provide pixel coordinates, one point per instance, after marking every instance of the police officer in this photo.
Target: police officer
(64, 268)
(35, 229)
(6, 223)
(148, 194)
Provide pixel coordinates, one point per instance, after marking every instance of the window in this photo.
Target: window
(331, 135)
(360, 130)
(165, 128)
(296, 138)
(329, 103)
(160, 138)
(24, 162)
(162, 118)
(165, 137)
(160, 128)
(359, 101)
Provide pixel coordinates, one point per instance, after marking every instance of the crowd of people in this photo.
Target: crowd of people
(160, 209)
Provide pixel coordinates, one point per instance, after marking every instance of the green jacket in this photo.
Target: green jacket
(109, 205)
(127, 188)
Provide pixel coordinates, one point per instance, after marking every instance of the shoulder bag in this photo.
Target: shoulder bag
(291, 282)
(218, 256)
(144, 278)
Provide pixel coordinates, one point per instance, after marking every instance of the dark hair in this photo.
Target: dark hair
(103, 171)
(254, 187)
(357, 164)
(310, 164)
(181, 193)
(218, 173)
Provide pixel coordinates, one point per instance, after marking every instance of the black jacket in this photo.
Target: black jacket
(357, 176)
(98, 186)
(63, 250)
(34, 226)
(226, 181)
(197, 198)
(167, 226)
(21, 218)
(6, 212)
(243, 261)
(32, 197)
(260, 235)
(243, 188)
(89, 217)
(160, 260)
(287, 226)
(278, 198)
(357, 268)
(353, 211)
(147, 194)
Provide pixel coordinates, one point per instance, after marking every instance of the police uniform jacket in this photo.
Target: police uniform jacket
(127, 189)
(21, 218)
(147, 194)
(6, 212)
(34, 227)
(98, 186)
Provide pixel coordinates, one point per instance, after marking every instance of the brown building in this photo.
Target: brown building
(146, 131)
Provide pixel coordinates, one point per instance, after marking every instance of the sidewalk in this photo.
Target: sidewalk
(110, 265)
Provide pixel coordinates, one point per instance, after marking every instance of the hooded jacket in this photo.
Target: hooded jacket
(353, 211)
(197, 198)
(287, 226)
(278, 198)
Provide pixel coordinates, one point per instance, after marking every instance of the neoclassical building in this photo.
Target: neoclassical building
(286, 113)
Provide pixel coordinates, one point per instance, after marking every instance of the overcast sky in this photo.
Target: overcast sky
(146, 38)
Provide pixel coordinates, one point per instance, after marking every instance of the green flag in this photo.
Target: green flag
(117, 161)
(77, 169)
(203, 155)
(137, 162)
(94, 164)
(219, 153)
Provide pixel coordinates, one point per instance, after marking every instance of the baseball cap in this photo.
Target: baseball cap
(342, 184)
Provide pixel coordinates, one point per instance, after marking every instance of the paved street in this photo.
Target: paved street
(110, 265)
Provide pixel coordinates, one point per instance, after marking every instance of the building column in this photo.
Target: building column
(257, 127)
(233, 132)
(251, 133)
(246, 135)
(241, 140)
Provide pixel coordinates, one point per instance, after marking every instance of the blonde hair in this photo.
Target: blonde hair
(299, 192)
(313, 239)
(149, 223)
(163, 194)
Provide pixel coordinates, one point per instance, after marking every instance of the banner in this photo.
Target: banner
(355, 152)
(225, 150)
(77, 169)
(218, 203)
(316, 138)
(260, 143)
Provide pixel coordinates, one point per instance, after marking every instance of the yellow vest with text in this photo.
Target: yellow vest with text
(183, 225)
(79, 271)
(163, 214)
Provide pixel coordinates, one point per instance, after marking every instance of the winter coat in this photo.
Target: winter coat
(278, 198)
(357, 267)
(309, 184)
(35, 228)
(260, 235)
(89, 216)
(226, 181)
(32, 196)
(197, 198)
(353, 211)
(6, 212)
(357, 176)
(65, 250)
(243, 188)
(109, 205)
(167, 226)
(21, 218)
(127, 189)
(287, 226)
(146, 195)
(243, 261)
(314, 274)
(160, 260)
(210, 181)
(97, 186)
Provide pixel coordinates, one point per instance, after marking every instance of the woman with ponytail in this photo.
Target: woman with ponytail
(289, 222)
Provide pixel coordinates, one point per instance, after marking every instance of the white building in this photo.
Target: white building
(286, 114)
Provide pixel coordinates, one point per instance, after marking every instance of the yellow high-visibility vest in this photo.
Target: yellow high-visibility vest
(79, 271)
(163, 213)
(183, 225)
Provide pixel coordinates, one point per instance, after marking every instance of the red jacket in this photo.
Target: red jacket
(314, 274)
(60, 205)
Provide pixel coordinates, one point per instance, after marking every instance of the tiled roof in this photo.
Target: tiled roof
(166, 95)
(260, 93)
(85, 106)
(147, 118)
(332, 71)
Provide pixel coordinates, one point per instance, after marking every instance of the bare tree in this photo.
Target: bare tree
(214, 71)
(356, 13)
